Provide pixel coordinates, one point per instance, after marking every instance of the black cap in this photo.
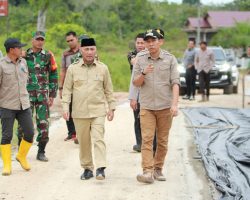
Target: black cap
(152, 33)
(88, 42)
(12, 43)
(161, 33)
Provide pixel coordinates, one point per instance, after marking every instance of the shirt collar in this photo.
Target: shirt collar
(161, 56)
(29, 51)
(8, 60)
(71, 51)
(84, 64)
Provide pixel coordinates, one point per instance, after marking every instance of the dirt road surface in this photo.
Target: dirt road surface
(59, 179)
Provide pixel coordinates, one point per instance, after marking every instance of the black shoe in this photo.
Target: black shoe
(186, 97)
(137, 148)
(42, 157)
(100, 175)
(87, 174)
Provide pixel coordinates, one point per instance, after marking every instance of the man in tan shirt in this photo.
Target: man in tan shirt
(157, 75)
(88, 80)
(204, 62)
(14, 104)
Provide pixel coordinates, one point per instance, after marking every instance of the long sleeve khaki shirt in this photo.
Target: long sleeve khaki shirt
(13, 82)
(156, 91)
(91, 87)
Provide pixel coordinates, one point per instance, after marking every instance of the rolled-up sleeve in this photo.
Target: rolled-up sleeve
(133, 90)
(108, 90)
(136, 70)
(67, 89)
(175, 76)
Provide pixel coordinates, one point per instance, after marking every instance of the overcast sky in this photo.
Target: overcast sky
(206, 1)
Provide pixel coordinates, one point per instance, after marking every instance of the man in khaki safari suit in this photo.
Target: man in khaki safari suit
(157, 75)
(88, 80)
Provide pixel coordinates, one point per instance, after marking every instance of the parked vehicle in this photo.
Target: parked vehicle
(224, 75)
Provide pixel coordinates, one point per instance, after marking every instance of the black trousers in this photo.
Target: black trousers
(204, 81)
(24, 118)
(137, 127)
(190, 81)
(70, 122)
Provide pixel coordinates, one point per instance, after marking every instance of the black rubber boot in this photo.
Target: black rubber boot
(41, 152)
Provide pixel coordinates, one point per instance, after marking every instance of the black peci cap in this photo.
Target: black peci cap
(88, 42)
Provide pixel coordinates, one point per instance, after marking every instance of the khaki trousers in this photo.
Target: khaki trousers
(161, 121)
(91, 131)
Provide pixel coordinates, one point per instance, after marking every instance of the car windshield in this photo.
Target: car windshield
(219, 55)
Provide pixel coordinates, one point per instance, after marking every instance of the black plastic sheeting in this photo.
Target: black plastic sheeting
(223, 139)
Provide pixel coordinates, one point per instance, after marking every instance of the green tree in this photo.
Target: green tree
(191, 2)
(237, 36)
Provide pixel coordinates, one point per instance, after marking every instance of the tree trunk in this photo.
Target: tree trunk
(41, 20)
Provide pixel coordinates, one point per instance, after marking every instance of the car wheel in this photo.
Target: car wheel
(228, 89)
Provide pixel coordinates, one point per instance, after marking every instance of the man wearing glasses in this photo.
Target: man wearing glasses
(42, 87)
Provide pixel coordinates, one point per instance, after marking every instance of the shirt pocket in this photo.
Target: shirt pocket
(99, 77)
(24, 74)
(80, 81)
(9, 75)
(164, 73)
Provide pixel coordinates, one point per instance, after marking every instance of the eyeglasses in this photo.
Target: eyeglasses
(70, 40)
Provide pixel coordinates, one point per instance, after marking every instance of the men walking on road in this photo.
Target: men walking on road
(90, 83)
(134, 91)
(204, 62)
(157, 75)
(14, 104)
(67, 59)
(188, 60)
(42, 87)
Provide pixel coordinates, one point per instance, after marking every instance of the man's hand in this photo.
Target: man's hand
(148, 69)
(133, 104)
(174, 110)
(110, 115)
(133, 60)
(66, 116)
(51, 100)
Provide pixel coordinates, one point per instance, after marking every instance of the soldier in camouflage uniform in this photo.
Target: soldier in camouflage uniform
(42, 87)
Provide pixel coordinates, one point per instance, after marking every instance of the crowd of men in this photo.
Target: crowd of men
(29, 84)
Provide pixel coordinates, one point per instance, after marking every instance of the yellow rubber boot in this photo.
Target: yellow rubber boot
(6, 156)
(22, 153)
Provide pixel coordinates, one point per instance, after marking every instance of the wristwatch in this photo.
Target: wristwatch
(60, 88)
(143, 73)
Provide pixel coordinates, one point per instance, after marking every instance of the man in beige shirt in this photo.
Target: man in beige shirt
(157, 75)
(88, 80)
(204, 62)
(14, 104)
